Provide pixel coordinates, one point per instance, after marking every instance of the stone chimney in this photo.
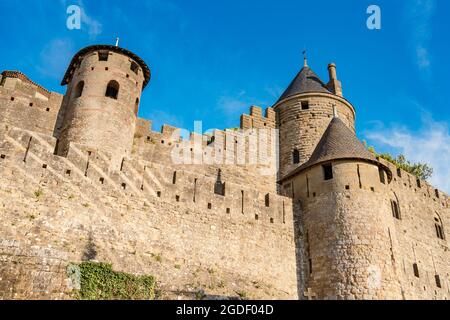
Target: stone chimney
(334, 85)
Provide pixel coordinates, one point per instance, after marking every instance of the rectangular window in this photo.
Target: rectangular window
(419, 185)
(134, 67)
(438, 281)
(382, 178)
(395, 209)
(103, 55)
(328, 171)
(416, 270)
(436, 191)
(399, 172)
(267, 200)
(305, 105)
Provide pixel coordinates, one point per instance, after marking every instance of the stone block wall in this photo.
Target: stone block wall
(138, 218)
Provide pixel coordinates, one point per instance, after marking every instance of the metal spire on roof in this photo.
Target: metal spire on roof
(305, 59)
(117, 41)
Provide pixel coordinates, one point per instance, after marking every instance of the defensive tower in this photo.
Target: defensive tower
(304, 111)
(104, 85)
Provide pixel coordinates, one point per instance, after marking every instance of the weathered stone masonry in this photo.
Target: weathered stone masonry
(83, 178)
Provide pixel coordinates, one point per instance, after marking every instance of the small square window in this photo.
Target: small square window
(31, 104)
(44, 166)
(256, 217)
(305, 105)
(48, 109)
(347, 187)
(177, 198)
(12, 98)
(68, 172)
(2, 156)
(228, 210)
(103, 56)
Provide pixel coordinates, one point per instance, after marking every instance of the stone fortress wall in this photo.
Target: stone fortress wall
(227, 228)
(147, 217)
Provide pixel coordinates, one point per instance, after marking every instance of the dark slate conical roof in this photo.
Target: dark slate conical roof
(339, 143)
(305, 81)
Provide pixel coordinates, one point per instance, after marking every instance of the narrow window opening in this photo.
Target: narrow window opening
(134, 67)
(242, 201)
(439, 228)
(112, 90)
(399, 172)
(228, 210)
(79, 90)
(436, 192)
(395, 210)
(102, 180)
(296, 157)
(271, 220)
(124, 186)
(382, 178)
(256, 217)
(328, 171)
(419, 185)
(416, 270)
(158, 194)
(284, 214)
(136, 106)
(310, 266)
(219, 186)
(438, 281)
(174, 178)
(359, 176)
(267, 200)
(307, 186)
(177, 198)
(209, 205)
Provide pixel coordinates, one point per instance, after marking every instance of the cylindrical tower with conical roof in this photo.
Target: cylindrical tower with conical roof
(104, 85)
(304, 111)
(340, 195)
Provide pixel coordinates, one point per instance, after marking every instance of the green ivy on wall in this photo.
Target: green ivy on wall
(98, 281)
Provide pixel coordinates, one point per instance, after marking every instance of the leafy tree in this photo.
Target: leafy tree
(420, 170)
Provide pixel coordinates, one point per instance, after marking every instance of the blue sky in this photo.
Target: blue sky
(211, 60)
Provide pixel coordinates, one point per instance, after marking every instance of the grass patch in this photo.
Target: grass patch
(98, 281)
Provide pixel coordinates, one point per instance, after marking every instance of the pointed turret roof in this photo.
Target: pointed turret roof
(305, 81)
(339, 143)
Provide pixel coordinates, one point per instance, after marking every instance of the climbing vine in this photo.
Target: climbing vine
(98, 281)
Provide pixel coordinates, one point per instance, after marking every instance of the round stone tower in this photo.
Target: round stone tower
(303, 113)
(104, 85)
(341, 195)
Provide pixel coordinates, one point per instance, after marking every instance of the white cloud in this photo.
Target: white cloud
(419, 16)
(55, 57)
(430, 144)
